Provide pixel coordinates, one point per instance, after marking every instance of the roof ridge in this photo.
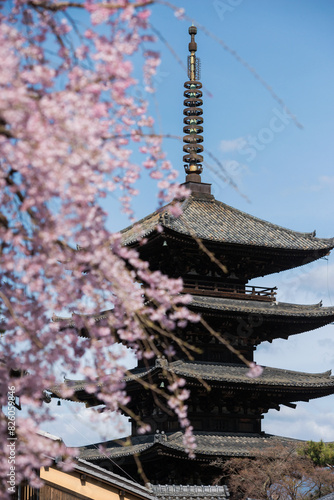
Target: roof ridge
(140, 221)
(159, 211)
(84, 465)
(277, 226)
(289, 307)
(326, 373)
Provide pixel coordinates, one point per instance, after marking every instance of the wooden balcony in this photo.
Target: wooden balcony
(214, 289)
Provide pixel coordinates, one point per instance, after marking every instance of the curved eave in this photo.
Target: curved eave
(261, 259)
(209, 446)
(284, 319)
(215, 222)
(274, 319)
(266, 309)
(226, 375)
(80, 394)
(296, 386)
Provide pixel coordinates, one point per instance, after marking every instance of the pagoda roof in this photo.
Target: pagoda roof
(274, 319)
(236, 374)
(289, 319)
(209, 445)
(214, 221)
(273, 308)
(295, 385)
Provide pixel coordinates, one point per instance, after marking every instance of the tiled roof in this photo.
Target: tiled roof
(117, 448)
(76, 385)
(152, 491)
(219, 444)
(69, 321)
(227, 373)
(330, 496)
(260, 307)
(96, 472)
(273, 308)
(235, 373)
(182, 491)
(215, 221)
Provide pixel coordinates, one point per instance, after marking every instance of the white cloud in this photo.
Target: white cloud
(307, 352)
(308, 284)
(311, 287)
(78, 426)
(309, 421)
(229, 146)
(327, 180)
(324, 182)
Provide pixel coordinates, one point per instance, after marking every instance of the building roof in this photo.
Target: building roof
(91, 470)
(113, 479)
(182, 491)
(125, 486)
(151, 491)
(330, 496)
(273, 319)
(209, 445)
(274, 308)
(212, 220)
(228, 373)
(295, 385)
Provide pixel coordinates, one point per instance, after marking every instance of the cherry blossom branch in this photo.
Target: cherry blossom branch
(4, 130)
(55, 7)
(7, 303)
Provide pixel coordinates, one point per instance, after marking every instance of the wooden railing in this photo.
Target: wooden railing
(215, 289)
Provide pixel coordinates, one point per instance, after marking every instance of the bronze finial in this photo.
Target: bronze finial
(193, 111)
(192, 45)
(193, 61)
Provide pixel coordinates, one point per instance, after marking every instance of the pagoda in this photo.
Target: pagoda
(216, 250)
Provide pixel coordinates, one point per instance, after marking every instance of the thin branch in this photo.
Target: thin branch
(55, 7)
(4, 131)
(226, 343)
(204, 249)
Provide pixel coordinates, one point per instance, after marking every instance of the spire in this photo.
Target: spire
(193, 119)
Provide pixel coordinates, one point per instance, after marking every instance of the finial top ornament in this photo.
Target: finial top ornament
(192, 45)
(193, 111)
(193, 61)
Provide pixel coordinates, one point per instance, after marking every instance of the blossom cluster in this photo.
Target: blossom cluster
(69, 125)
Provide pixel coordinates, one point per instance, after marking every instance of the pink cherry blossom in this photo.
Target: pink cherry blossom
(68, 130)
(254, 370)
(70, 125)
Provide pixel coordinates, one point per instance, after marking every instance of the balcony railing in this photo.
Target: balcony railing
(244, 292)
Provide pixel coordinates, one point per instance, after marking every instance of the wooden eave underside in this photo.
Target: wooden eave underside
(269, 259)
(209, 446)
(275, 384)
(225, 229)
(276, 320)
(267, 321)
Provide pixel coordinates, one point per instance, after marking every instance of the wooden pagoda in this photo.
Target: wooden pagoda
(216, 249)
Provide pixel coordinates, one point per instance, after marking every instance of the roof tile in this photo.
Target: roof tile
(215, 221)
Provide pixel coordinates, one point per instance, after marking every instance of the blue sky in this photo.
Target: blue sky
(284, 172)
